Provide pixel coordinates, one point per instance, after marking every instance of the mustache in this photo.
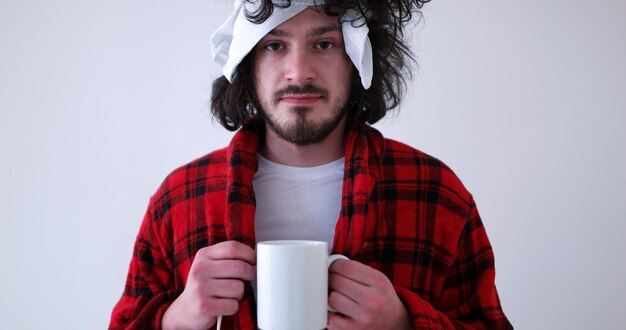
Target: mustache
(295, 90)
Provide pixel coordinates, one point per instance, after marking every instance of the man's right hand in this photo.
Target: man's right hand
(214, 286)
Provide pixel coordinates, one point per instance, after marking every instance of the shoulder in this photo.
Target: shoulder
(428, 173)
(208, 167)
(400, 153)
(187, 182)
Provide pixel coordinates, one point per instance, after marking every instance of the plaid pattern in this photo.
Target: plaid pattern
(403, 213)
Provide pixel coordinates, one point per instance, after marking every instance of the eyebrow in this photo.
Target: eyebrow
(312, 33)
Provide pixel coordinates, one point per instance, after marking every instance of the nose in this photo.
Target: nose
(299, 66)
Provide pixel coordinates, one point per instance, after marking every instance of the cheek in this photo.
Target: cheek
(260, 83)
(264, 65)
(343, 67)
(343, 73)
(264, 77)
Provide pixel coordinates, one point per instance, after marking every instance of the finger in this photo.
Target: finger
(232, 289)
(203, 270)
(343, 304)
(348, 287)
(233, 269)
(226, 306)
(356, 271)
(338, 322)
(228, 250)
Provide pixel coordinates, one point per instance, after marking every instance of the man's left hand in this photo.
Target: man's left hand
(364, 298)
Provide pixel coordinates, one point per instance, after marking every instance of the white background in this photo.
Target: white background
(525, 100)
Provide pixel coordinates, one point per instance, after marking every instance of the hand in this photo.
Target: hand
(364, 298)
(214, 286)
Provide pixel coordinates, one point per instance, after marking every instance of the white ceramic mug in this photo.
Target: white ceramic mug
(292, 284)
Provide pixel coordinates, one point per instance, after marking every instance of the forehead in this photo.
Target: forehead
(307, 21)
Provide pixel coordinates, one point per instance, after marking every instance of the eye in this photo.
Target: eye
(324, 45)
(273, 46)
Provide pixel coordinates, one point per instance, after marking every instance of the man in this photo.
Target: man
(301, 79)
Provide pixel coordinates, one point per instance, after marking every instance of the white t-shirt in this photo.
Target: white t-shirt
(297, 202)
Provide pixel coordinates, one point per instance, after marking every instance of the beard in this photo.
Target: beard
(303, 131)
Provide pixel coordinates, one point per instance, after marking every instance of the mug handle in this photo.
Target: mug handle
(332, 258)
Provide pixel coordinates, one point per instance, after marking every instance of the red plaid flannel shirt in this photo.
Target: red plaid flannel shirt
(403, 213)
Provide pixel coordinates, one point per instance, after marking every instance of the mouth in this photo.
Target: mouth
(301, 99)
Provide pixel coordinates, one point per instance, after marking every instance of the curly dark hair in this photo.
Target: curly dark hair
(233, 104)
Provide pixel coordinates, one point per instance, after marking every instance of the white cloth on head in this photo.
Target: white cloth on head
(234, 39)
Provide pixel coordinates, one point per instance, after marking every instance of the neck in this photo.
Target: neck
(280, 151)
